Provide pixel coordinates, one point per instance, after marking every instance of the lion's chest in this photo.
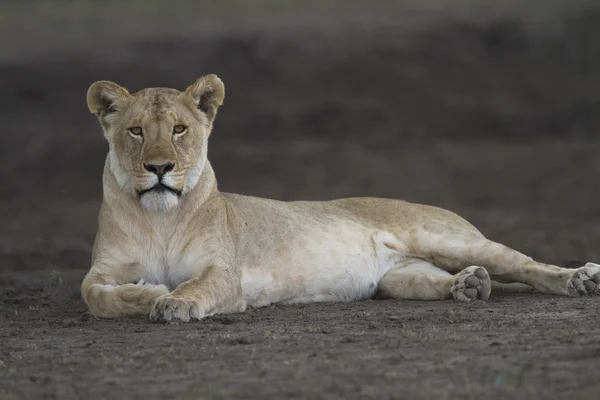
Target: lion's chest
(171, 262)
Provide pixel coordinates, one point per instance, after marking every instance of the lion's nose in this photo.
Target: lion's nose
(159, 169)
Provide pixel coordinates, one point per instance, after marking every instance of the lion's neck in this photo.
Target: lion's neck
(204, 191)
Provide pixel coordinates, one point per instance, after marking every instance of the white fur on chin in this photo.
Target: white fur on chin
(159, 201)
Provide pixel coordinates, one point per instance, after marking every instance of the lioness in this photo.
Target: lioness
(170, 245)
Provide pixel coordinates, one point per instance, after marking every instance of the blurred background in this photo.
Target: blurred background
(488, 108)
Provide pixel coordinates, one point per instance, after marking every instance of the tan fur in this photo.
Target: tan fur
(191, 251)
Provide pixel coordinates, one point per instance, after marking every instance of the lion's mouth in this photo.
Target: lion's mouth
(160, 187)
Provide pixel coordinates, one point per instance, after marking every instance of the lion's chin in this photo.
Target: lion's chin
(159, 200)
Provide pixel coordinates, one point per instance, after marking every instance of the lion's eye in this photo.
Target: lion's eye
(136, 131)
(179, 129)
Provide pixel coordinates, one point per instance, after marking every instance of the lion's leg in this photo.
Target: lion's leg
(107, 294)
(216, 290)
(420, 280)
(455, 250)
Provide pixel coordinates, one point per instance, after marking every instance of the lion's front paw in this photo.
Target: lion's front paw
(170, 308)
(472, 283)
(585, 280)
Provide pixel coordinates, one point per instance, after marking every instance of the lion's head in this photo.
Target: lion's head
(157, 137)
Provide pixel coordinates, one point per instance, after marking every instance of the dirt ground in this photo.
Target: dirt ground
(494, 117)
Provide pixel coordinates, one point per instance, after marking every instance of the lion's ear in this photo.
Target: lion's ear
(207, 93)
(103, 97)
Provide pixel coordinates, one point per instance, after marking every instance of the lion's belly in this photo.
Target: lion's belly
(343, 267)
